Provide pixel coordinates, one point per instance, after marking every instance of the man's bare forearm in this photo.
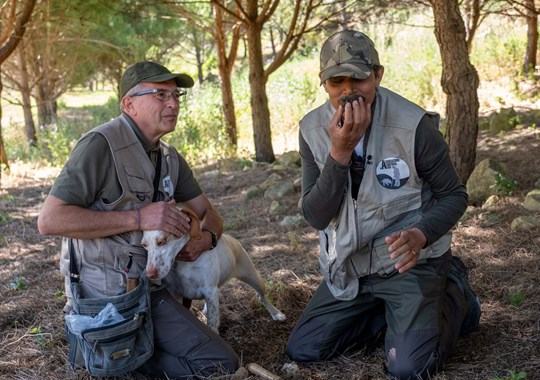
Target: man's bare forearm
(61, 219)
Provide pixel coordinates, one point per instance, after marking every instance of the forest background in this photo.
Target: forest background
(256, 69)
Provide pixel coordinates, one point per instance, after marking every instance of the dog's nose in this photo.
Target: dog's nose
(151, 272)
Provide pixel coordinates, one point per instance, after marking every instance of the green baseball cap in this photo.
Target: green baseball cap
(348, 53)
(153, 72)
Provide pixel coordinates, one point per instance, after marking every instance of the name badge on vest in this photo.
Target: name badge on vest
(392, 172)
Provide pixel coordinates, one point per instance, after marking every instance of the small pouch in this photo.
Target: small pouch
(118, 348)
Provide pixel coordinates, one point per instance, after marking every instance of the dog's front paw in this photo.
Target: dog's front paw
(279, 316)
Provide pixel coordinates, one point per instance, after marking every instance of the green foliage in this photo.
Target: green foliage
(18, 284)
(199, 134)
(521, 375)
(294, 241)
(245, 163)
(7, 198)
(5, 218)
(55, 142)
(273, 288)
(292, 90)
(516, 299)
(504, 185)
(498, 52)
(103, 113)
(413, 72)
(40, 337)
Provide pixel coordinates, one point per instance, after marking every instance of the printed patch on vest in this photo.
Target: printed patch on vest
(392, 172)
(167, 187)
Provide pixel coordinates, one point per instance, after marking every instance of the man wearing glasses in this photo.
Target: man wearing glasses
(120, 180)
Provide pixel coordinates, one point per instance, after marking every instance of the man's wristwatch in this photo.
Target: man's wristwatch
(214, 238)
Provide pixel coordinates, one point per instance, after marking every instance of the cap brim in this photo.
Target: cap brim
(357, 71)
(182, 80)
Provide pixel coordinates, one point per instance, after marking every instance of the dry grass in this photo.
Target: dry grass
(504, 266)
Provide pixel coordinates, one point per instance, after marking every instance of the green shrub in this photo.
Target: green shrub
(103, 113)
(199, 135)
(55, 142)
(498, 52)
(504, 185)
(513, 376)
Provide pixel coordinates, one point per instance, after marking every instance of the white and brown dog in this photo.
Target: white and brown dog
(202, 278)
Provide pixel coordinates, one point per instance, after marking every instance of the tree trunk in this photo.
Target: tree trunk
(228, 110)
(46, 107)
(529, 64)
(460, 82)
(30, 127)
(260, 113)
(3, 155)
(198, 58)
(225, 66)
(472, 17)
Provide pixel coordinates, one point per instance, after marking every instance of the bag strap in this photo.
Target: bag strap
(73, 271)
(157, 176)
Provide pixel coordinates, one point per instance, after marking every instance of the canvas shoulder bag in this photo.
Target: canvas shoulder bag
(111, 349)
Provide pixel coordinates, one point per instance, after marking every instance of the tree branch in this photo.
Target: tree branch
(18, 30)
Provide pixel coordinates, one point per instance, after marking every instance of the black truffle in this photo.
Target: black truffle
(348, 99)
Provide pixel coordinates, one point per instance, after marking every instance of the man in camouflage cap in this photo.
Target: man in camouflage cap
(349, 53)
(379, 185)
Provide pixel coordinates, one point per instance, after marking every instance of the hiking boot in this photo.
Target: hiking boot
(460, 275)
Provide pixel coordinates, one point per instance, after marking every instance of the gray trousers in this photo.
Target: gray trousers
(184, 347)
(421, 310)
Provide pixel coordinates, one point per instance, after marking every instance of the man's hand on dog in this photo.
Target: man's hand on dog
(164, 216)
(194, 248)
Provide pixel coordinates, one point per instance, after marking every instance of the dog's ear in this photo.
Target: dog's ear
(195, 231)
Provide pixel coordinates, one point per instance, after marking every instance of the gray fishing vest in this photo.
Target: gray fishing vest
(391, 196)
(105, 264)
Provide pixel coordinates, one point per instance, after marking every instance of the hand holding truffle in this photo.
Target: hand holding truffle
(348, 126)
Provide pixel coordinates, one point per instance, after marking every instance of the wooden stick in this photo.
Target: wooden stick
(260, 371)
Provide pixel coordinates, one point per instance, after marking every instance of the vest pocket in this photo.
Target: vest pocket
(138, 183)
(382, 259)
(401, 205)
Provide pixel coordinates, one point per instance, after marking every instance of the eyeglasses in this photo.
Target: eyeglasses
(162, 95)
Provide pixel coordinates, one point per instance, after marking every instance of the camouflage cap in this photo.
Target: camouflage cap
(348, 53)
(153, 72)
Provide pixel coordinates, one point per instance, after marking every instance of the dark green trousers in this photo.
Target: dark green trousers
(184, 346)
(421, 311)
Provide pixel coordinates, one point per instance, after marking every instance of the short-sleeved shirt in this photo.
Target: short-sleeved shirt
(90, 174)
